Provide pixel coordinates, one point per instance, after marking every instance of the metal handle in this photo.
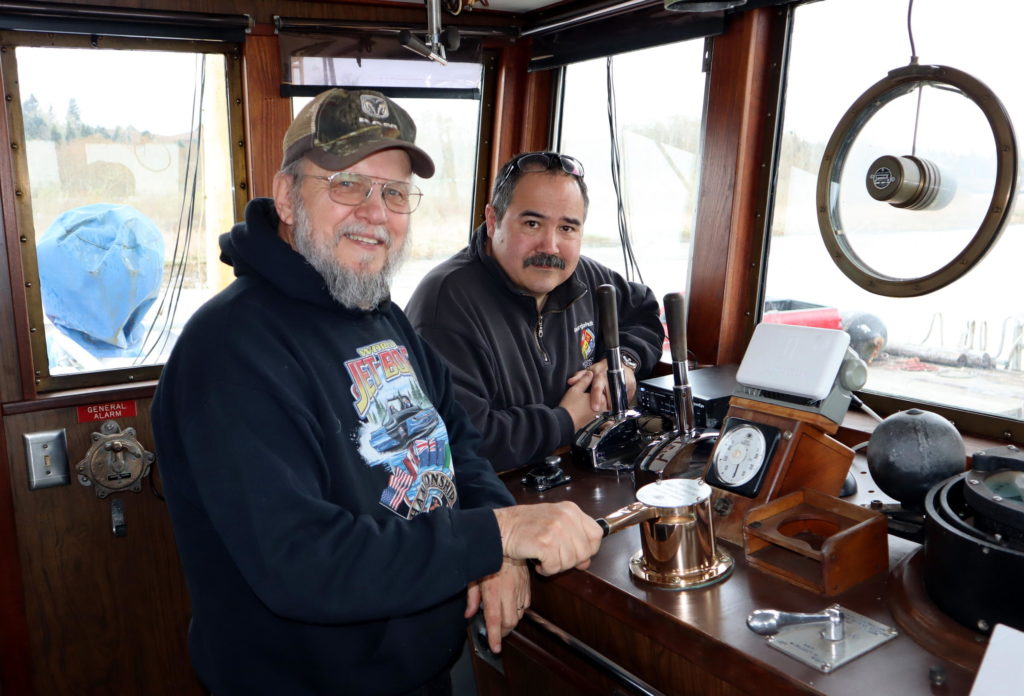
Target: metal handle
(768, 622)
(408, 40)
(623, 517)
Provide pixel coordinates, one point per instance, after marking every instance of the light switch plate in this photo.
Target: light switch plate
(47, 455)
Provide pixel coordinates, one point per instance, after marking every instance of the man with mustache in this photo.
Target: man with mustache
(515, 314)
(334, 521)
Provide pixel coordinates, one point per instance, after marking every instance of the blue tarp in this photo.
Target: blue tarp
(100, 268)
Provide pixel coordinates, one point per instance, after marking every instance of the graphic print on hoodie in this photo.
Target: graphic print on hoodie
(401, 430)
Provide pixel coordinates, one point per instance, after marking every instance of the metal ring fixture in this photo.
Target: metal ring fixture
(898, 83)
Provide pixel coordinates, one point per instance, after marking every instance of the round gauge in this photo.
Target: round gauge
(740, 455)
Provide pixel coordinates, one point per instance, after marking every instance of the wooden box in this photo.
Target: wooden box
(816, 541)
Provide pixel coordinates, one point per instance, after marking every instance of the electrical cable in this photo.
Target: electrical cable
(169, 299)
(152, 482)
(630, 264)
(864, 407)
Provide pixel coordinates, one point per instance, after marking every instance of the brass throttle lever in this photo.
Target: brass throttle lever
(626, 516)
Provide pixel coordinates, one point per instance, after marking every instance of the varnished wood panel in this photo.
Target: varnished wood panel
(697, 642)
(14, 672)
(15, 346)
(522, 107)
(267, 113)
(263, 11)
(106, 615)
(737, 150)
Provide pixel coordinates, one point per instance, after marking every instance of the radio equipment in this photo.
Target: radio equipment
(711, 388)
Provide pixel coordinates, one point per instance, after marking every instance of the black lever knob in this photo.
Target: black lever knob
(675, 317)
(608, 309)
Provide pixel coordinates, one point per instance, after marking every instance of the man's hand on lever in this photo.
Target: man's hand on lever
(578, 402)
(558, 536)
(505, 595)
(600, 396)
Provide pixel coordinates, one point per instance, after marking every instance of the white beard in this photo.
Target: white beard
(360, 289)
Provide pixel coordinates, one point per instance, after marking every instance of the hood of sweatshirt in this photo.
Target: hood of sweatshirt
(254, 247)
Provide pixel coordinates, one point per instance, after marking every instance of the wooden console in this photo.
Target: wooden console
(692, 642)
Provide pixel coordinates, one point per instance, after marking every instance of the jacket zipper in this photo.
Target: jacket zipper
(538, 330)
(538, 334)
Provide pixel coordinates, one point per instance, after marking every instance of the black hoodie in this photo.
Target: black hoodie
(326, 495)
(509, 362)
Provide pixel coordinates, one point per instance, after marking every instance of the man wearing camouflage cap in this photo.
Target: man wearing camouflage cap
(329, 505)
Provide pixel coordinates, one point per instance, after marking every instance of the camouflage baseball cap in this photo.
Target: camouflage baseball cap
(340, 127)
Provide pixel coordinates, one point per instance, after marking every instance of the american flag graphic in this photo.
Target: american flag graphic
(404, 476)
(398, 486)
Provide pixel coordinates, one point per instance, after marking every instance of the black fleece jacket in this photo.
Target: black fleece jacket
(509, 363)
(323, 483)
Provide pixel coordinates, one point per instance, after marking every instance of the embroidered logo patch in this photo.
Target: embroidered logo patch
(587, 343)
(373, 106)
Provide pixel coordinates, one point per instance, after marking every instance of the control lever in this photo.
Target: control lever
(768, 622)
(608, 310)
(846, 635)
(675, 317)
(613, 439)
(673, 453)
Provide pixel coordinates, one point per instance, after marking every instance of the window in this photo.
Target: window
(128, 165)
(448, 130)
(659, 114)
(959, 347)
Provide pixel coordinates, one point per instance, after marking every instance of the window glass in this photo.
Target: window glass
(375, 73)
(960, 346)
(129, 169)
(447, 129)
(659, 100)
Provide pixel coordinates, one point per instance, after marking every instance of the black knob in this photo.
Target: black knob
(608, 309)
(675, 317)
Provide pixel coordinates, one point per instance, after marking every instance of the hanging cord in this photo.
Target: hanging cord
(931, 325)
(168, 306)
(913, 61)
(1016, 343)
(628, 259)
(910, 33)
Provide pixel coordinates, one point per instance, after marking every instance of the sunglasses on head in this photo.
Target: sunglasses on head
(533, 162)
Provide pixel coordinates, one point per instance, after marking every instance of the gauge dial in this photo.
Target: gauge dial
(740, 455)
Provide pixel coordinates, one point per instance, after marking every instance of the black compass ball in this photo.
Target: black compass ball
(911, 451)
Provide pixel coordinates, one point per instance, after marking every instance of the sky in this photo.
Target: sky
(162, 78)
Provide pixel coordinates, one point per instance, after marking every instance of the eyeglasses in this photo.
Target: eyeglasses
(349, 188)
(533, 162)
